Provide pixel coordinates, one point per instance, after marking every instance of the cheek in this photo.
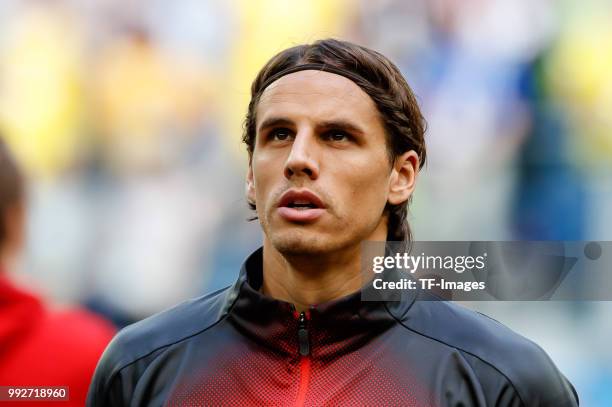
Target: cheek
(264, 172)
(368, 189)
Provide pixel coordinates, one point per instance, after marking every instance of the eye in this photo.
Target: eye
(280, 134)
(337, 135)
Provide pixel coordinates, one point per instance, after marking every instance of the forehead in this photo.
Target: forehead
(316, 95)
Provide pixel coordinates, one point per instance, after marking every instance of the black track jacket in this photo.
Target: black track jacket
(237, 347)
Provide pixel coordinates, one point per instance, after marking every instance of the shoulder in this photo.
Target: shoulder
(160, 331)
(522, 362)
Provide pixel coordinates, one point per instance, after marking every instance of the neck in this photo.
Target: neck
(309, 280)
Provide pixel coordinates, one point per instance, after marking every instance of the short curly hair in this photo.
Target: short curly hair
(381, 80)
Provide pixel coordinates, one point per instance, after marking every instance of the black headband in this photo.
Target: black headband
(316, 67)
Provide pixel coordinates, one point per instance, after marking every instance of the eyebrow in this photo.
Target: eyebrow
(326, 124)
(273, 122)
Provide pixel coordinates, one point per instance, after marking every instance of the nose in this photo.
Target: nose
(301, 160)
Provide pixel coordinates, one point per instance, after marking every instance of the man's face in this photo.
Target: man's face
(320, 172)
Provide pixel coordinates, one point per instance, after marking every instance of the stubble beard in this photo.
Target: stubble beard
(301, 241)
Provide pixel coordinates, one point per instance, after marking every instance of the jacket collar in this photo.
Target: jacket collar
(335, 327)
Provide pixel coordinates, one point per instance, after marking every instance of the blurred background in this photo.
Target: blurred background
(127, 118)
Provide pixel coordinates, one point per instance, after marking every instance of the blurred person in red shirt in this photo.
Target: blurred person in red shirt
(39, 346)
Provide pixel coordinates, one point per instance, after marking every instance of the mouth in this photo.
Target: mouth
(300, 206)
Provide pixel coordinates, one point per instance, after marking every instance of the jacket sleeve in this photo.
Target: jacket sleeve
(108, 386)
(541, 384)
(524, 376)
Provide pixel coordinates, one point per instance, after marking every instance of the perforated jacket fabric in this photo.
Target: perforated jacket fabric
(238, 347)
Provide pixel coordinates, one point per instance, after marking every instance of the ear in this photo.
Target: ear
(403, 177)
(250, 186)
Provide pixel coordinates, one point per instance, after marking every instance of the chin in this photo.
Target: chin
(300, 243)
(310, 240)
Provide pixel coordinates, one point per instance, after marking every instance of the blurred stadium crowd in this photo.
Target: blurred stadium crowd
(126, 116)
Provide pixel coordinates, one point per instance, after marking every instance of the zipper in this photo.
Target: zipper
(304, 350)
(303, 342)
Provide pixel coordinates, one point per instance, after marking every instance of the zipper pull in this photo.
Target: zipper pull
(303, 335)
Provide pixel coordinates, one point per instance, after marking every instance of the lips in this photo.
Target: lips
(293, 198)
(300, 206)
